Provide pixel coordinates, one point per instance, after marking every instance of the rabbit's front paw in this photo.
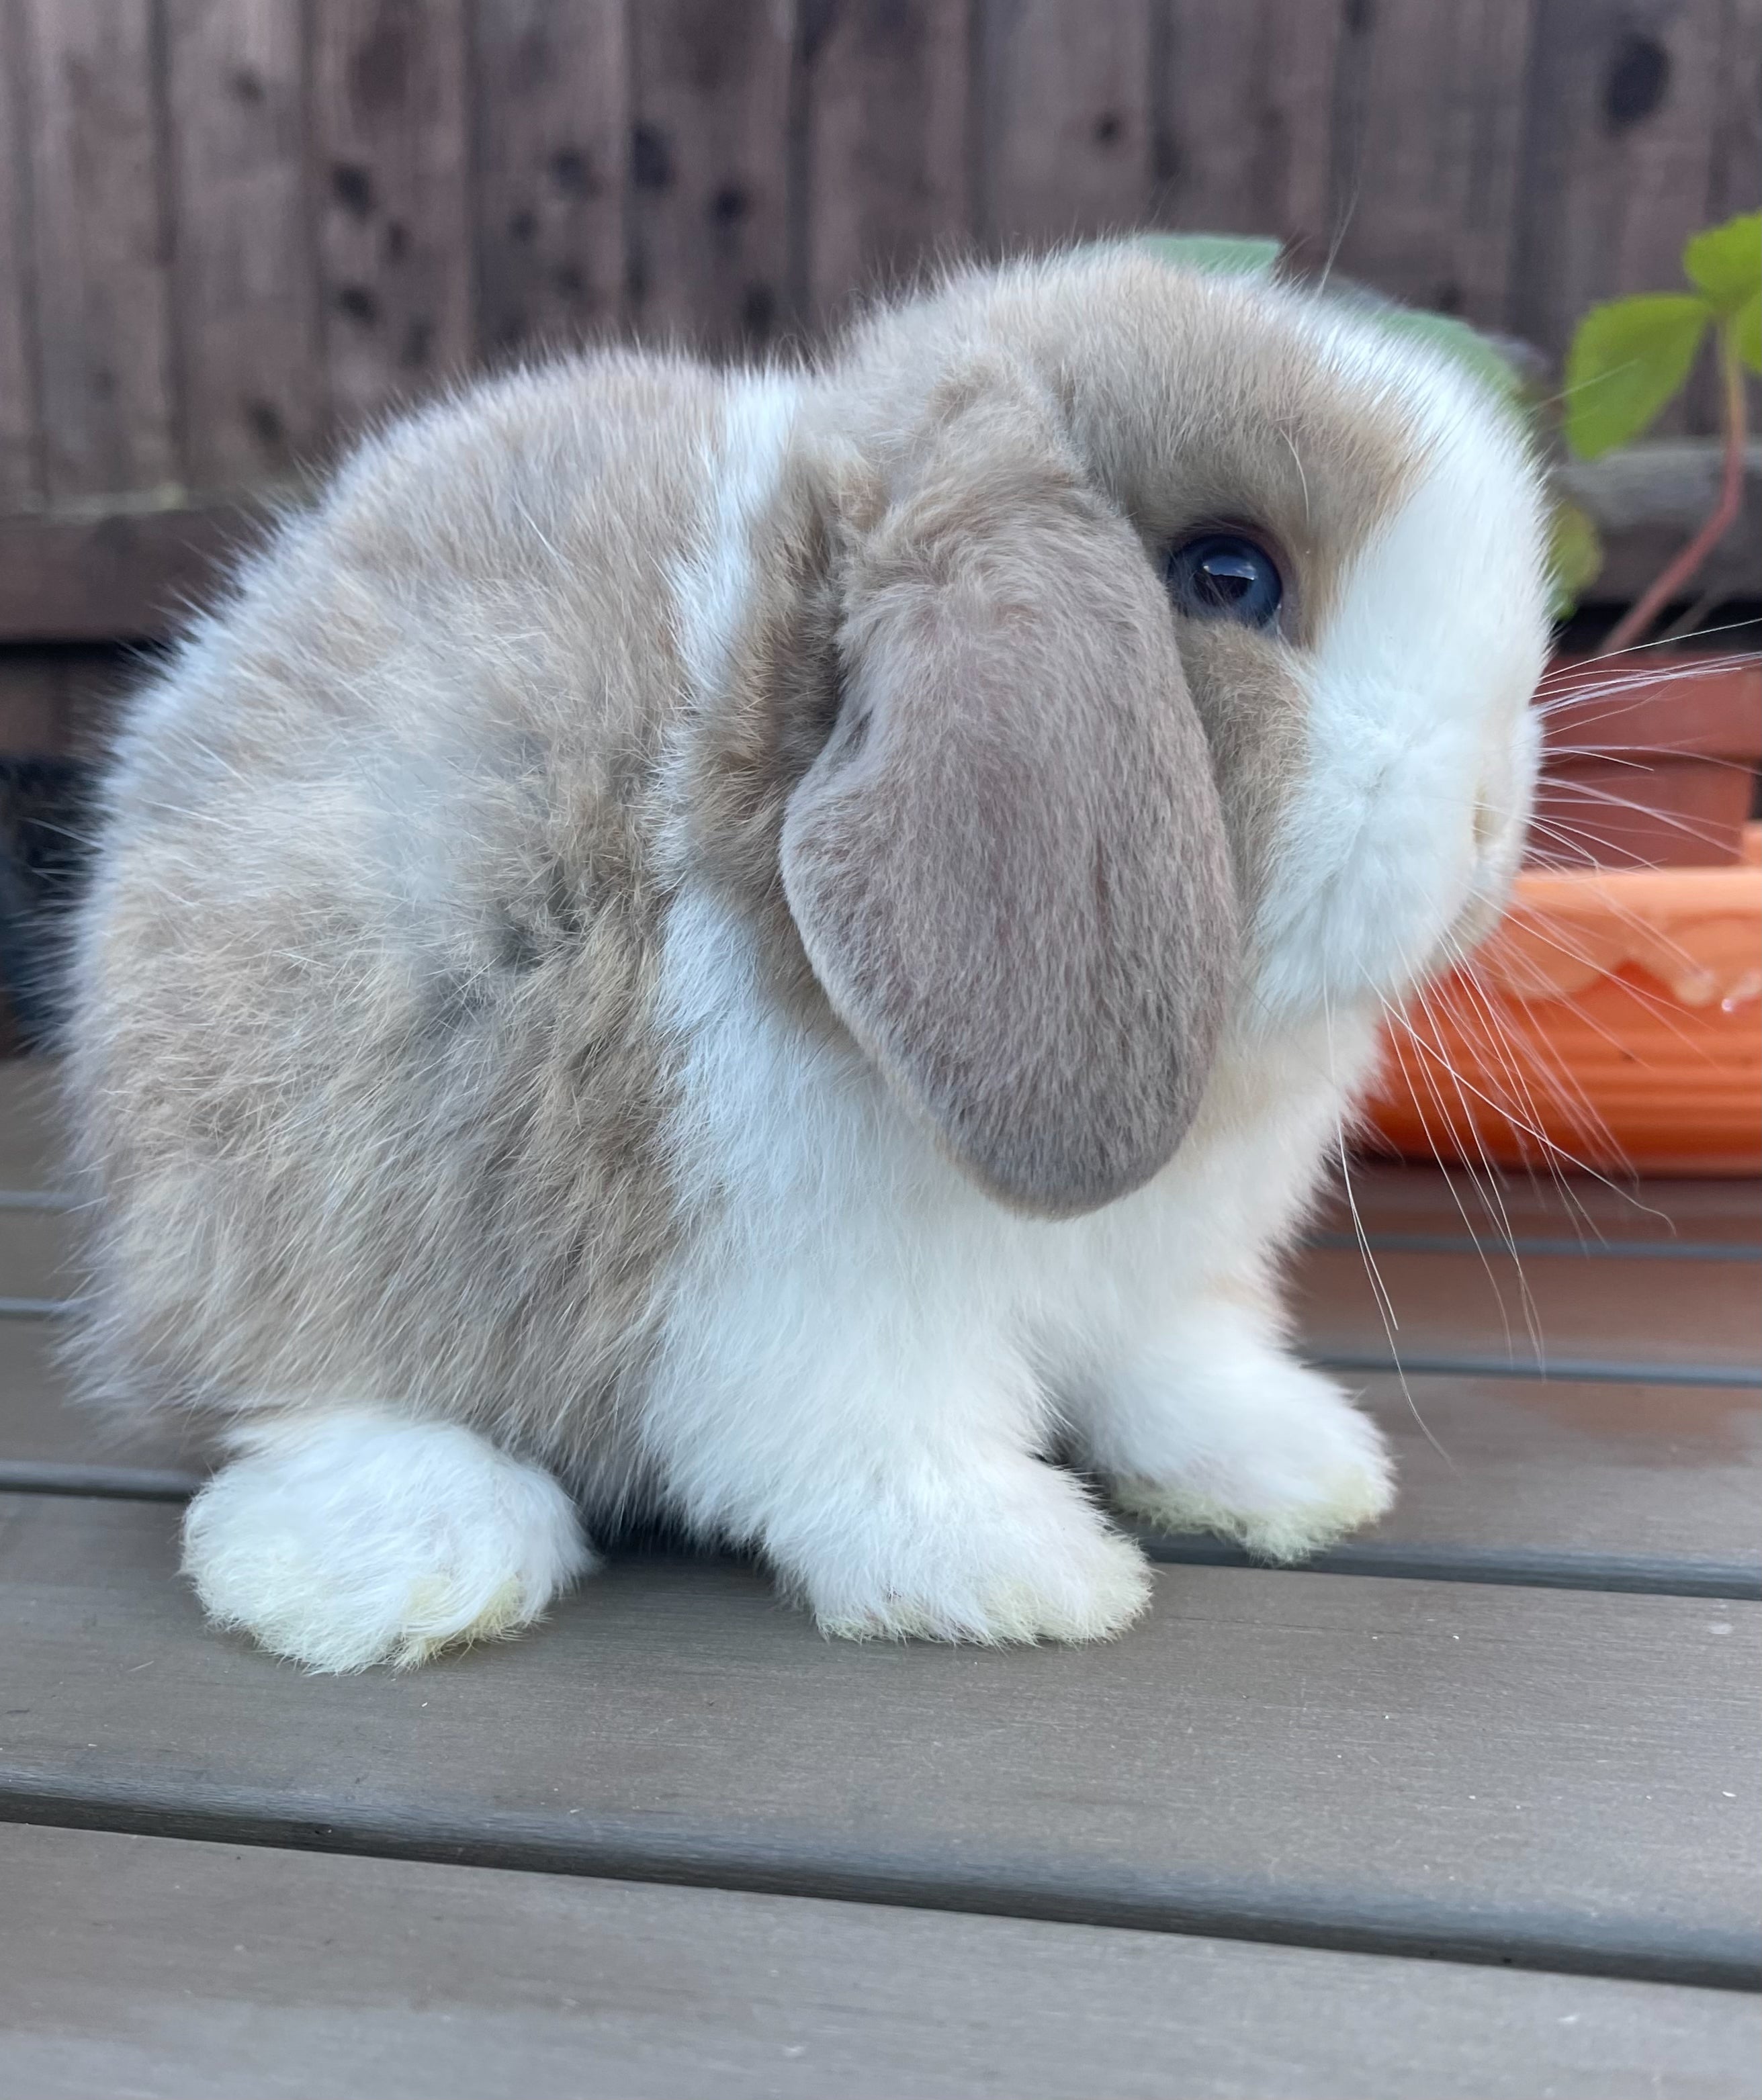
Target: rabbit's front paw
(350, 1539)
(1018, 1556)
(1283, 1476)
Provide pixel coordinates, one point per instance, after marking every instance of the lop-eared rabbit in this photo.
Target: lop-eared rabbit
(784, 949)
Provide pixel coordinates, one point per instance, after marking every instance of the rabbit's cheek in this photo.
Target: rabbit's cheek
(1410, 814)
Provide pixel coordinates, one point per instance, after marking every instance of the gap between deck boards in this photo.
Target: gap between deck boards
(627, 1848)
(1656, 1575)
(1522, 1244)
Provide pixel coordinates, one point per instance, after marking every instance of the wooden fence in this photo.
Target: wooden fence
(231, 230)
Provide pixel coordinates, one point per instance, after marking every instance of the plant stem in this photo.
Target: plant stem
(1645, 609)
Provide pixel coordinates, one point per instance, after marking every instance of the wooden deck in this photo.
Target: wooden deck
(1467, 1808)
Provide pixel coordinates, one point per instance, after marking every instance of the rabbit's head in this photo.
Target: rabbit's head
(1183, 632)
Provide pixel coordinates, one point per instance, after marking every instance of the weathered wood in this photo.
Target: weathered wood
(244, 275)
(60, 702)
(219, 249)
(709, 217)
(550, 88)
(1527, 1465)
(35, 1255)
(20, 450)
(391, 138)
(884, 181)
(30, 1140)
(1278, 1757)
(1617, 167)
(1576, 1206)
(40, 1425)
(99, 248)
(1736, 169)
(1247, 92)
(153, 1966)
(1067, 141)
(1548, 1307)
(1427, 119)
(117, 576)
(30, 702)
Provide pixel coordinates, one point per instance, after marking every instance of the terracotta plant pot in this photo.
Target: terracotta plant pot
(1650, 764)
(1612, 1023)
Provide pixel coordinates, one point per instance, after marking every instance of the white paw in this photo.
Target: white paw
(1017, 1554)
(349, 1539)
(1284, 1472)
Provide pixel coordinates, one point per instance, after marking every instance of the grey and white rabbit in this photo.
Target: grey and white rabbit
(774, 946)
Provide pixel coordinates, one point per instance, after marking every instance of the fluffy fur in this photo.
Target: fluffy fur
(713, 939)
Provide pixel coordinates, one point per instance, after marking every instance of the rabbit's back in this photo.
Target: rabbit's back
(362, 1053)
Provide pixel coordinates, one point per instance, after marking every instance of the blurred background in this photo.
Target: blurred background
(233, 232)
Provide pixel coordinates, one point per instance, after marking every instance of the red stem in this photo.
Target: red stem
(1640, 615)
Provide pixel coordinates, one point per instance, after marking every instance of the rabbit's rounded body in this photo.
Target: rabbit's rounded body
(365, 1050)
(531, 1018)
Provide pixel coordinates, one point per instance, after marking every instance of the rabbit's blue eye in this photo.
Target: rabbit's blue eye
(1224, 575)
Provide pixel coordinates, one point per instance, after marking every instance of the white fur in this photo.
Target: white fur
(712, 590)
(355, 1538)
(867, 1355)
(1422, 750)
(866, 1360)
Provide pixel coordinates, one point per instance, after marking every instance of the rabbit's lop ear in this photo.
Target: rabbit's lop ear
(1008, 864)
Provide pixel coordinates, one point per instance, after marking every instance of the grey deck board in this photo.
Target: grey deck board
(1511, 1464)
(30, 1141)
(156, 1966)
(1602, 1213)
(1526, 1462)
(1385, 1767)
(38, 1422)
(1522, 1464)
(35, 1254)
(1694, 1314)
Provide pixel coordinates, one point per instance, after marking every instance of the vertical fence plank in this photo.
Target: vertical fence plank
(1619, 154)
(393, 147)
(20, 475)
(245, 287)
(1245, 121)
(1067, 140)
(710, 165)
(1736, 172)
(60, 702)
(883, 180)
(99, 246)
(195, 303)
(550, 82)
(1428, 127)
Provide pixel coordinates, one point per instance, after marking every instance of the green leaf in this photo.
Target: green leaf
(1228, 254)
(1726, 261)
(1627, 360)
(1574, 554)
(1745, 326)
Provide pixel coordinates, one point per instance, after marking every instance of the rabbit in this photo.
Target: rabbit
(783, 949)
